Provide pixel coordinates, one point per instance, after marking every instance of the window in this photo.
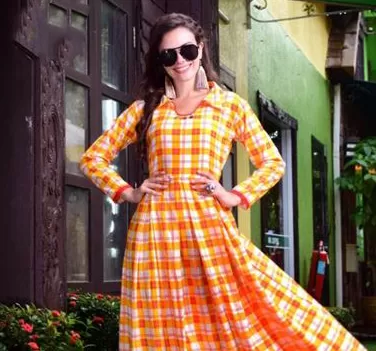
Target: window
(319, 193)
(99, 72)
(275, 242)
(278, 205)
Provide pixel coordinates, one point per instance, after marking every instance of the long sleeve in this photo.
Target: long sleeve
(263, 154)
(96, 161)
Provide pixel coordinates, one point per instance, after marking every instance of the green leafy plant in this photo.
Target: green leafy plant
(359, 177)
(30, 328)
(102, 313)
(343, 315)
(91, 322)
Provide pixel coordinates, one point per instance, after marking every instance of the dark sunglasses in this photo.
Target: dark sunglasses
(169, 57)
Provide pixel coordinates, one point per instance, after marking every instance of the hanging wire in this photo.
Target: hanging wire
(322, 14)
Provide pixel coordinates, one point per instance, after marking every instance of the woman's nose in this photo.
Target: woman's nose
(180, 57)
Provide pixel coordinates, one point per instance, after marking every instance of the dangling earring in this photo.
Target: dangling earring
(169, 88)
(201, 79)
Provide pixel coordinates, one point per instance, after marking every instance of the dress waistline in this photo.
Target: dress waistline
(183, 177)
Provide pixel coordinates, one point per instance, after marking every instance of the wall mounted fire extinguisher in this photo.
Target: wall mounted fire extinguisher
(319, 261)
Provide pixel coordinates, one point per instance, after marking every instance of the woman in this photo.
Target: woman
(190, 280)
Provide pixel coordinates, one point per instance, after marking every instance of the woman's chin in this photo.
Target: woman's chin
(183, 78)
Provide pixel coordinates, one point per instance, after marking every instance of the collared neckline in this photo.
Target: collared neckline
(212, 98)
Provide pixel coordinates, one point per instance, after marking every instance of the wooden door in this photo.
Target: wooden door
(32, 222)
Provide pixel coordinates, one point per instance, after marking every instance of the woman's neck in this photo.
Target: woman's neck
(185, 89)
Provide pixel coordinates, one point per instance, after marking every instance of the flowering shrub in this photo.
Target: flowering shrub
(359, 177)
(30, 328)
(91, 322)
(102, 312)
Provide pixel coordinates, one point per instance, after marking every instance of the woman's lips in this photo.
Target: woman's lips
(181, 69)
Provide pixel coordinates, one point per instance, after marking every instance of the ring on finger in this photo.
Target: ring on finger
(210, 188)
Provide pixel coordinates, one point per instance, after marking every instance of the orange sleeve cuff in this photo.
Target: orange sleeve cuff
(118, 193)
(244, 202)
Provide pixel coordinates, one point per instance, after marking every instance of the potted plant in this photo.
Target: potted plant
(343, 315)
(359, 177)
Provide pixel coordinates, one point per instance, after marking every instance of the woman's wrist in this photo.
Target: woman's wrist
(236, 197)
(128, 195)
(243, 202)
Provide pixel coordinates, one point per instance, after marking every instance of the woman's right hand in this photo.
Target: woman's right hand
(153, 185)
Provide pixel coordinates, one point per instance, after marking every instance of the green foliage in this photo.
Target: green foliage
(91, 322)
(343, 315)
(31, 328)
(102, 312)
(359, 177)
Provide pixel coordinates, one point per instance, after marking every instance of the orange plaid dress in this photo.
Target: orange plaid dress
(191, 281)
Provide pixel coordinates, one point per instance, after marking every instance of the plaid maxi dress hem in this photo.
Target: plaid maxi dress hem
(202, 285)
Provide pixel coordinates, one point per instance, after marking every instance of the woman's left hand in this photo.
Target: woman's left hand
(226, 198)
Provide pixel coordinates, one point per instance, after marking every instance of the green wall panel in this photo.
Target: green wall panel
(280, 70)
(370, 46)
(371, 57)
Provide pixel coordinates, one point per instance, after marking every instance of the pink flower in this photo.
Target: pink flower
(28, 328)
(74, 337)
(73, 303)
(100, 296)
(55, 313)
(34, 337)
(98, 319)
(33, 345)
(21, 321)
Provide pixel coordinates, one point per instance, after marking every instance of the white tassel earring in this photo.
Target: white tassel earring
(169, 88)
(201, 79)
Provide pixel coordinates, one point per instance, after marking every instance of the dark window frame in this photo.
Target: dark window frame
(96, 91)
(269, 111)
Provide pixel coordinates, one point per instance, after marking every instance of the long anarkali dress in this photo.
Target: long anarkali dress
(190, 280)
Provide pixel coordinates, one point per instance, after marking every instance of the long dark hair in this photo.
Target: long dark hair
(153, 81)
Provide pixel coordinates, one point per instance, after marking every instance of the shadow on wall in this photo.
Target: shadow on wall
(9, 19)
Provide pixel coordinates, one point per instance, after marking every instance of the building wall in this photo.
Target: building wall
(309, 34)
(233, 50)
(281, 69)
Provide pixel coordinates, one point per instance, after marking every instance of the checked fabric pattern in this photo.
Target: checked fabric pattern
(190, 280)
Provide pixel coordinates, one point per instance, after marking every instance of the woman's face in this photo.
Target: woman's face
(183, 70)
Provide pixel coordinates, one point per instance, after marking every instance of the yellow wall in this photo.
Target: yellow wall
(233, 49)
(310, 34)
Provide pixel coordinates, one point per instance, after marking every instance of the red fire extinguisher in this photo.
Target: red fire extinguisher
(319, 261)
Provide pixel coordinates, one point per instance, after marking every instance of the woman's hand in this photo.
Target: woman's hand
(225, 198)
(153, 185)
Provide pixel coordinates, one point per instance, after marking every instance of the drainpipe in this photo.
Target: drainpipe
(337, 194)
